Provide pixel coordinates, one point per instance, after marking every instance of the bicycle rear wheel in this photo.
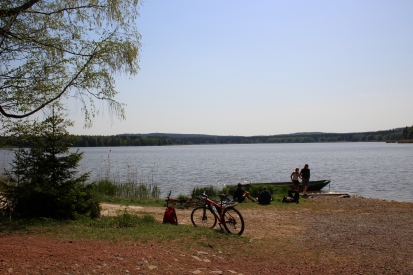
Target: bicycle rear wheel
(233, 221)
(203, 217)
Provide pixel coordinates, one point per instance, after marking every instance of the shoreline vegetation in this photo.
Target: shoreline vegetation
(128, 192)
(400, 135)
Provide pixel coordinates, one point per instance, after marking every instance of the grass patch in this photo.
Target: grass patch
(122, 227)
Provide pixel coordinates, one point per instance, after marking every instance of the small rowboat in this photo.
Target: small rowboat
(312, 186)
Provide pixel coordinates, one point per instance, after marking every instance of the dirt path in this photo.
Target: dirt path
(326, 236)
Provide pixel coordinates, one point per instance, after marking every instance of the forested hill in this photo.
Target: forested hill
(158, 139)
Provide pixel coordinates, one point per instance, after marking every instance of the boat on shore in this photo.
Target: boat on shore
(316, 185)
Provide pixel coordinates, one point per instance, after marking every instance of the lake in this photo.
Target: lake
(377, 170)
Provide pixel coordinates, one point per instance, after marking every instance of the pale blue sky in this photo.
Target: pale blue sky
(268, 67)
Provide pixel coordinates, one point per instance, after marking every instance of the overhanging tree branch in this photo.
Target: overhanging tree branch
(17, 10)
(68, 9)
(4, 113)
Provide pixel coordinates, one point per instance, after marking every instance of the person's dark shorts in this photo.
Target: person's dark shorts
(305, 182)
(296, 182)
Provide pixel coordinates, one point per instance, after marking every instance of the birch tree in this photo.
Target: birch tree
(56, 49)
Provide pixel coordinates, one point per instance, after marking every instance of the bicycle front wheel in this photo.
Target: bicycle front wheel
(233, 221)
(203, 217)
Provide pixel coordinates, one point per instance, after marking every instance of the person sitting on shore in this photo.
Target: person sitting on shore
(265, 196)
(240, 194)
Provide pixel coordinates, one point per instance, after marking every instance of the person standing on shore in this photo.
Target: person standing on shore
(294, 178)
(305, 177)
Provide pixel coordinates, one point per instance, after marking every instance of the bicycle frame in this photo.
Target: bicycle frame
(224, 212)
(216, 208)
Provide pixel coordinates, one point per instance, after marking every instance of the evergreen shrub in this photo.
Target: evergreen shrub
(43, 180)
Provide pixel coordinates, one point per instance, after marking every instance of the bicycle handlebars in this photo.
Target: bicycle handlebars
(224, 199)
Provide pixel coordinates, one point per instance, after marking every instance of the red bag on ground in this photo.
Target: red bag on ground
(170, 216)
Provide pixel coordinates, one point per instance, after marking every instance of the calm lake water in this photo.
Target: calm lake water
(376, 170)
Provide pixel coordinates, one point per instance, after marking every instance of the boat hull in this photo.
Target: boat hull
(312, 186)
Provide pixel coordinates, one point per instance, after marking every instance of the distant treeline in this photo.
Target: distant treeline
(160, 139)
(176, 139)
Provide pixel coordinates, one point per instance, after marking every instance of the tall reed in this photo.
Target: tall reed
(127, 190)
(125, 183)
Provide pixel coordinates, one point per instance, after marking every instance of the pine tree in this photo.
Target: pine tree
(44, 181)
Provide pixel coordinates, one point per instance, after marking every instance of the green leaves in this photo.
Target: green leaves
(55, 49)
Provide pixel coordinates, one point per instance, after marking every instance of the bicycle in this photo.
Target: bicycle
(224, 212)
(180, 203)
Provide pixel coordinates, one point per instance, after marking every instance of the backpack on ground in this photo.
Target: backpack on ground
(170, 216)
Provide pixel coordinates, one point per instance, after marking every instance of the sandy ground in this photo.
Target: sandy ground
(330, 235)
